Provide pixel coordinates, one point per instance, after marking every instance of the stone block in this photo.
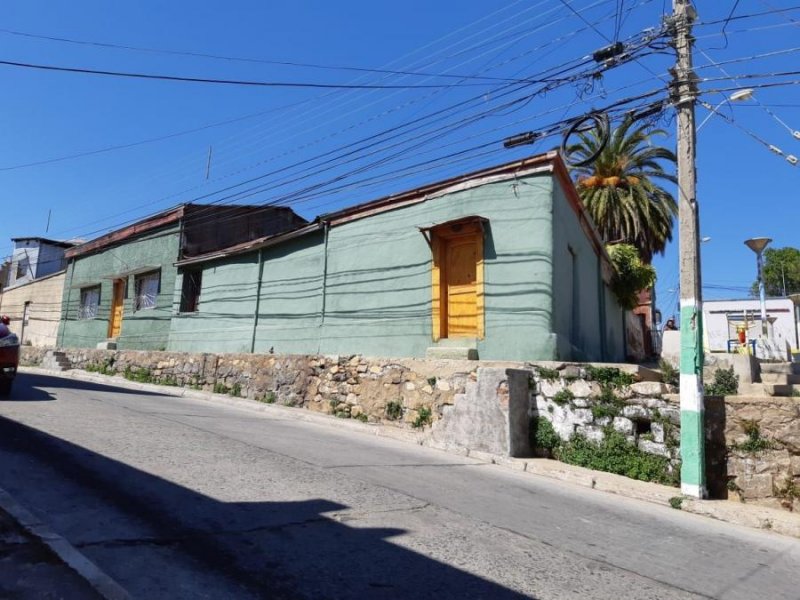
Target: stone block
(649, 388)
(550, 388)
(584, 389)
(635, 412)
(572, 372)
(592, 433)
(581, 403)
(443, 385)
(581, 416)
(654, 448)
(657, 429)
(756, 486)
(623, 425)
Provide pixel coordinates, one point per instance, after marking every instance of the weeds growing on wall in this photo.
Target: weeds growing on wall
(543, 436)
(754, 443)
(607, 404)
(138, 375)
(424, 417)
(394, 410)
(615, 454)
(563, 397)
(609, 376)
(548, 374)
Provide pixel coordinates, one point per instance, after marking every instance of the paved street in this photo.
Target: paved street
(182, 498)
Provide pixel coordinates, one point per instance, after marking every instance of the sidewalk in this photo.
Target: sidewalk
(36, 562)
(730, 511)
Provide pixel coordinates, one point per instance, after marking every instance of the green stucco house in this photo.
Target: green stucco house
(498, 264)
(119, 287)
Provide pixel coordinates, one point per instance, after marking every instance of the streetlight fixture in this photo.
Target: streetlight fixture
(737, 96)
(757, 245)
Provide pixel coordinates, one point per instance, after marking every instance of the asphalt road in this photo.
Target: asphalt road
(182, 498)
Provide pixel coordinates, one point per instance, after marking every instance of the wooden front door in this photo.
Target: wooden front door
(461, 286)
(117, 305)
(457, 280)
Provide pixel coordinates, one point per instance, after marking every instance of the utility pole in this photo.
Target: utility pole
(693, 472)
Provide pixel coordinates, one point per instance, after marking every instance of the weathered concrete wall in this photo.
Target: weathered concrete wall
(44, 310)
(143, 329)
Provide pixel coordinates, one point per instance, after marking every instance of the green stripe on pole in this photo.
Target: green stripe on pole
(691, 348)
(693, 468)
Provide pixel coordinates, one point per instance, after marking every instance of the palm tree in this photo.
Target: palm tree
(619, 187)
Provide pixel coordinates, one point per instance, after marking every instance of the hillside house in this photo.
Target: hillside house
(119, 287)
(501, 263)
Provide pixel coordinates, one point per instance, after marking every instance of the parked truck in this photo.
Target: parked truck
(9, 356)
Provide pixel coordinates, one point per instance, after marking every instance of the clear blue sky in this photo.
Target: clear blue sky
(744, 190)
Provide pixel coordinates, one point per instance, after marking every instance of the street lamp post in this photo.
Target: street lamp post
(757, 245)
(737, 96)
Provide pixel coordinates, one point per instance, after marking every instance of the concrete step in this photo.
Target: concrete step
(785, 368)
(456, 342)
(56, 361)
(781, 378)
(782, 390)
(452, 353)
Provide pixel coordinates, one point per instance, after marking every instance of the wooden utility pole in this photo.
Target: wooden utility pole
(693, 473)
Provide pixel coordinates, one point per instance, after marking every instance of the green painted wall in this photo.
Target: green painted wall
(384, 311)
(378, 283)
(143, 329)
(290, 306)
(585, 306)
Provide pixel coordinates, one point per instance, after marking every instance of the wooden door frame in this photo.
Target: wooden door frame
(440, 236)
(121, 282)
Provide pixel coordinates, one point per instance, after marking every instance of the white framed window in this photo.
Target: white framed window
(146, 288)
(90, 301)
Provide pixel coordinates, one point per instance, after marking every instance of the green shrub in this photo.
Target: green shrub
(220, 388)
(726, 383)
(548, 374)
(543, 435)
(669, 374)
(236, 390)
(607, 404)
(394, 410)
(362, 417)
(137, 374)
(609, 376)
(424, 417)
(431, 381)
(564, 397)
(615, 454)
(676, 502)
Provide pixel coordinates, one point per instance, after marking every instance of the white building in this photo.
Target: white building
(722, 318)
(33, 258)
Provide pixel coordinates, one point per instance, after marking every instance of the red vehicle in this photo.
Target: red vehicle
(9, 356)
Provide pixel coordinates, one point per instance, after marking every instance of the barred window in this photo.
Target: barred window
(147, 286)
(190, 293)
(90, 300)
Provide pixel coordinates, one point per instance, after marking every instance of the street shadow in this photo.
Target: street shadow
(265, 549)
(23, 389)
(27, 386)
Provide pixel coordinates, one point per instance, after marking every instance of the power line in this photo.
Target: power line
(244, 59)
(239, 82)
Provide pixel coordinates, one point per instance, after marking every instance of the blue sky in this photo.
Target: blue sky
(289, 137)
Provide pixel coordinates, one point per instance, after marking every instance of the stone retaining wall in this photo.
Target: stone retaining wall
(493, 406)
(406, 391)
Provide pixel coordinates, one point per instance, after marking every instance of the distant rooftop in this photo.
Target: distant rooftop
(60, 243)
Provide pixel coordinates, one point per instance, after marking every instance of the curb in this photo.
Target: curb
(102, 583)
(736, 513)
